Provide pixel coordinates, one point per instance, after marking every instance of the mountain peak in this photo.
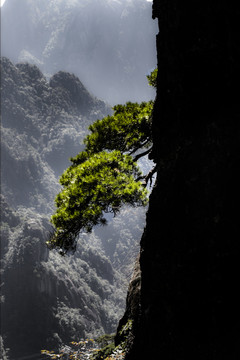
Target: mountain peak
(98, 40)
(78, 94)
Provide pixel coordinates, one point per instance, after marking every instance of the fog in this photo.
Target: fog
(109, 45)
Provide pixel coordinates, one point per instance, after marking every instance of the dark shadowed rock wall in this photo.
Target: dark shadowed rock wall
(190, 249)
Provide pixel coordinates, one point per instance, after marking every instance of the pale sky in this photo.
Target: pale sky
(3, 1)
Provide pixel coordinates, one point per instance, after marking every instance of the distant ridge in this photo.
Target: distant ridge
(99, 41)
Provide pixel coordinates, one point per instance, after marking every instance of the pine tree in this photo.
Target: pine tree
(105, 176)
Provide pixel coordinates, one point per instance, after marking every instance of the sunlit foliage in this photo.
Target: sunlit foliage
(128, 130)
(101, 184)
(105, 176)
(152, 78)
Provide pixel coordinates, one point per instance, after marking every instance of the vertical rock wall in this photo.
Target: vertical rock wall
(190, 249)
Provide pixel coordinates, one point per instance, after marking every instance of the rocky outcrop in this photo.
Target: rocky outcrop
(189, 302)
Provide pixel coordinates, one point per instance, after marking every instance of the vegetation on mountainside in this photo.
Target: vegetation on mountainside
(89, 349)
(101, 348)
(76, 297)
(105, 176)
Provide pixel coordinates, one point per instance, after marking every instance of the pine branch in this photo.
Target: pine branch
(141, 145)
(137, 157)
(148, 177)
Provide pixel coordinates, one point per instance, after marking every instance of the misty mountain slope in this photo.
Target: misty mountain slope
(47, 299)
(100, 41)
(43, 125)
(120, 239)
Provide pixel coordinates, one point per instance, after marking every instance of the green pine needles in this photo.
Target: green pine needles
(104, 176)
(128, 130)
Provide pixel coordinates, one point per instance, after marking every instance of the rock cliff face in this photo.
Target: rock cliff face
(189, 302)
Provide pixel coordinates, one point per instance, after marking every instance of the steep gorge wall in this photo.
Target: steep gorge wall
(189, 301)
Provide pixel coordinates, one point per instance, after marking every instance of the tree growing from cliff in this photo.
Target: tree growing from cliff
(105, 176)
